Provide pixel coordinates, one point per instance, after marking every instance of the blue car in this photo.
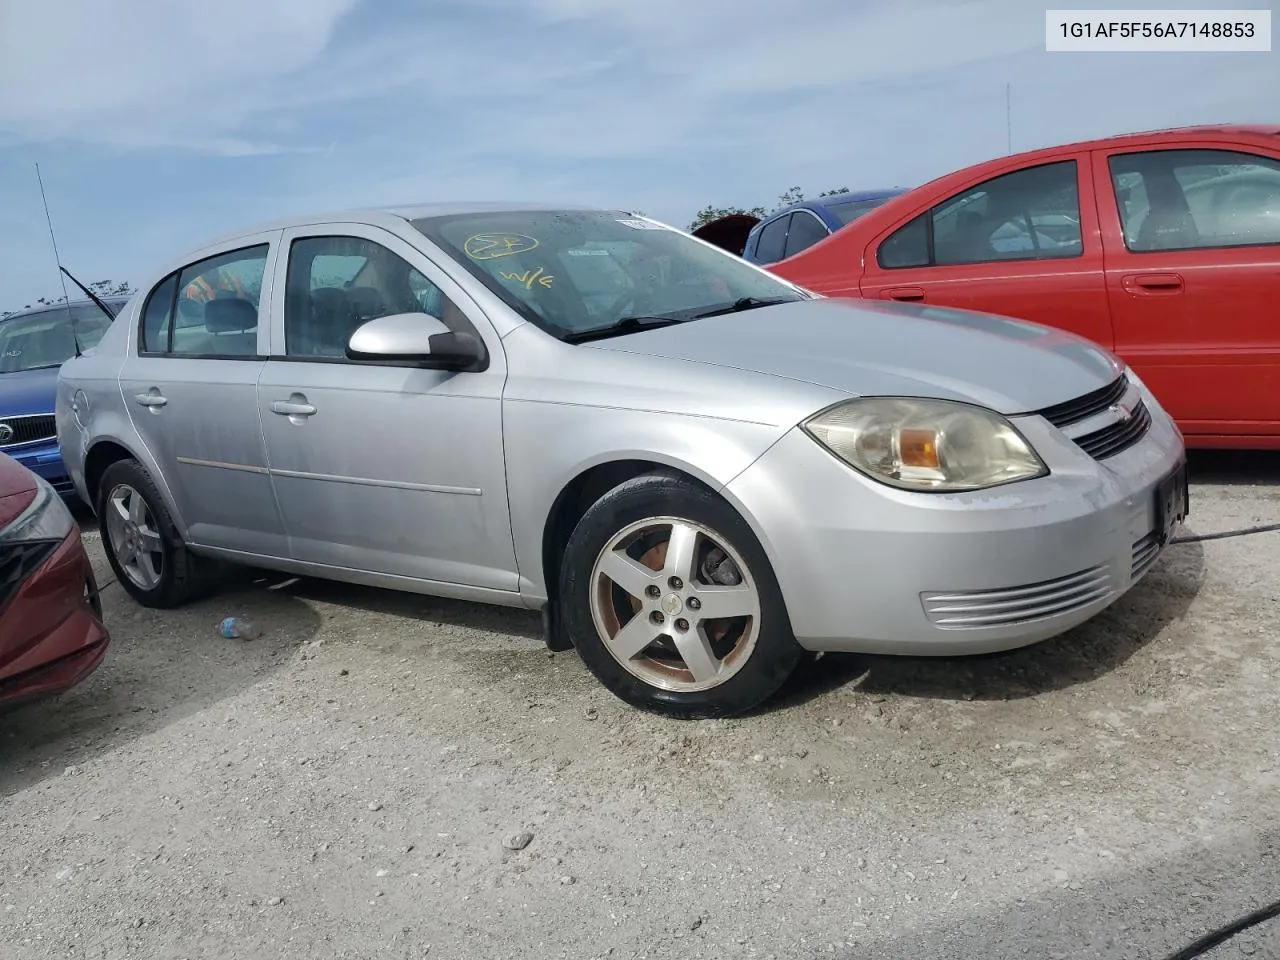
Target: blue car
(786, 232)
(33, 346)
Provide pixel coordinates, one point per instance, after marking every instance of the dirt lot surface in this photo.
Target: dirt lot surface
(347, 786)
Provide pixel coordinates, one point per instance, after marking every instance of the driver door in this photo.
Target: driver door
(380, 468)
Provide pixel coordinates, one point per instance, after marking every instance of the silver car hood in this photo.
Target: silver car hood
(865, 348)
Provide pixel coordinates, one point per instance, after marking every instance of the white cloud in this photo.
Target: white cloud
(294, 105)
(144, 72)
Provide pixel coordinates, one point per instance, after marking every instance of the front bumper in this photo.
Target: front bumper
(51, 631)
(45, 460)
(867, 568)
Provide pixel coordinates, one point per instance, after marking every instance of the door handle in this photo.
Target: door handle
(905, 294)
(1152, 283)
(151, 399)
(292, 408)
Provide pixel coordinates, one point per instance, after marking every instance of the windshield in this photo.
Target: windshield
(851, 210)
(35, 340)
(573, 271)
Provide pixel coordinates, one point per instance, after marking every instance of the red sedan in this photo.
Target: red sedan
(51, 631)
(1163, 246)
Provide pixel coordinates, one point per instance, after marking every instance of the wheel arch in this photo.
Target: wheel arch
(105, 451)
(589, 485)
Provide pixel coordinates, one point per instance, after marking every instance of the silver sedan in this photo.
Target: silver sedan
(696, 470)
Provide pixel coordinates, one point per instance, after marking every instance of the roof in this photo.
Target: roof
(1137, 137)
(404, 211)
(45, 307)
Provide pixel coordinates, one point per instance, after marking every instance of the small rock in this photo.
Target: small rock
(375, 806)
(344, 672)
(518, 841)
(758, 758)
(382, 873)
(567, 880)
(862, 863)
(71, 771)
(275, 901)
(591, 713)
(801, 753)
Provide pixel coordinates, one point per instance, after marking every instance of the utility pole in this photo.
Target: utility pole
(1008, 116)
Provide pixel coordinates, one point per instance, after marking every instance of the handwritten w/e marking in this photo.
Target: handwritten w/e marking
(529, 278)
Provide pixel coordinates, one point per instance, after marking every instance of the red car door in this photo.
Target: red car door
(1023, 243)
(1191, 233)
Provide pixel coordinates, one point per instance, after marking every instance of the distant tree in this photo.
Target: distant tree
(785, 199)
(709, 213)
(103, 288)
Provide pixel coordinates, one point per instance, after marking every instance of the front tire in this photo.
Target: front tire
(672, 603)
(142, 543)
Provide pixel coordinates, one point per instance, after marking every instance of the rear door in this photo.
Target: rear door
(190, 385)
(1024, 243)
(1192, 237)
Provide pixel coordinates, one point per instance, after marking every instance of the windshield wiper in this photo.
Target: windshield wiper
(618, 328)
(745, 303)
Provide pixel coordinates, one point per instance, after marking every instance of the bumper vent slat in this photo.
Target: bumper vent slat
(27, 429)
(1018, 605)
(1145, 552)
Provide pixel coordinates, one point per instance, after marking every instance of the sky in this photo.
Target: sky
(158, 125)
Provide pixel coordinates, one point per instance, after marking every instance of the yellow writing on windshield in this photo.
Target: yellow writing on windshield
(529, 278)
(491, 246)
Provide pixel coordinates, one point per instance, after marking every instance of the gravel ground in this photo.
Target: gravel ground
(350, 785)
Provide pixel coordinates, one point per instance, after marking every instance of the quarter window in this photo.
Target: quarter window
(806, 230)
(1196, 199)
(773, 239)
(208, 309)
(336, 284)
(1031, 214)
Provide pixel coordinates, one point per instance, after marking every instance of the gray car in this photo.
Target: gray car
(696, 470)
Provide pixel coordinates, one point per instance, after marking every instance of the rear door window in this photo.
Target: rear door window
(806, 230)
(773, 240)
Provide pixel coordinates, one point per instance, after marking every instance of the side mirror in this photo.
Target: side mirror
(416, 338)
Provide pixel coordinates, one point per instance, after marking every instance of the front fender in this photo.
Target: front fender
(549, 445)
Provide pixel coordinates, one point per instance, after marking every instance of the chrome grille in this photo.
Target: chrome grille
(25, 429)
(1117, 437)
(1089, 405)
(1017, 605)
(1145, 552)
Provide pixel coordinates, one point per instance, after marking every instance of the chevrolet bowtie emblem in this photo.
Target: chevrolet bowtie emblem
(6, 433)
(1124, 413)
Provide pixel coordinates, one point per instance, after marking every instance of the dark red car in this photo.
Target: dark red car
(51, 631)
(1162, 246)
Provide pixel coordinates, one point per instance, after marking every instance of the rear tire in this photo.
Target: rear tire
(146, 553)
(645, 573)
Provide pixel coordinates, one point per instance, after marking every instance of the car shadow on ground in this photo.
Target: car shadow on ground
(1147, 907)
(161, 668)
(1085, 653)
(1246, 467)
(1078, 656)
(514, 622)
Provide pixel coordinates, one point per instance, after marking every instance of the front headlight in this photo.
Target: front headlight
(930, 445)
(46, 518)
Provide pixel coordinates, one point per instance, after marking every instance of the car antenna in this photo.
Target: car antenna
(66, 299)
